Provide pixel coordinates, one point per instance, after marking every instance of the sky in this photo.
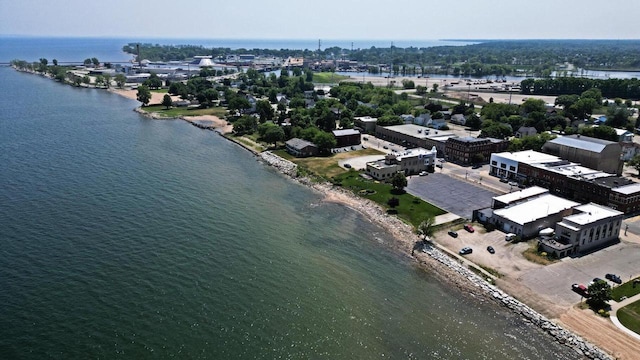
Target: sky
(325, 19)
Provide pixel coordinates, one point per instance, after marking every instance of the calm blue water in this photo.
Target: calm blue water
(110, 49)
(124, 237)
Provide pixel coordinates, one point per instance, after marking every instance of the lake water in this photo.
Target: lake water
(124, 237)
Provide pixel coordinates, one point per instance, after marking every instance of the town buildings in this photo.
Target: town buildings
(568, 179)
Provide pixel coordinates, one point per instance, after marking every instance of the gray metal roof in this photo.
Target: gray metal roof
(582, 142)
(299, 143)
(345, 132)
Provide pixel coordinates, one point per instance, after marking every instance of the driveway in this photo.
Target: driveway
(450, 194)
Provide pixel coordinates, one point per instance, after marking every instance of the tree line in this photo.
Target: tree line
(610, 88)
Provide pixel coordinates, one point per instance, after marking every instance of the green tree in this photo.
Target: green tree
(95, 61)
(153, 82)
(120, 80)
(635, 163)
(55, 62)
(617, 117)
(107, 80)
(324, 141)
(426, 227)
(393, 202)
(399, 181)
(474, 122)
(599, 294)
(144, 95)
(273, 135)
(264, 110)
(87, 62)
(245, 125)
(167, 102)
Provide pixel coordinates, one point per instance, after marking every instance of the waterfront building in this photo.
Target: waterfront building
(410, 162)
(590, 227)
(301, 148)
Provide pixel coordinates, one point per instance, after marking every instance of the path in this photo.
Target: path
(614, 317)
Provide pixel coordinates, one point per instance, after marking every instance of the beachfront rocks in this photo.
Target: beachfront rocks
(402, 231)
(285, 166)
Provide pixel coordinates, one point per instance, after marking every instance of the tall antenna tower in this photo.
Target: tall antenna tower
(319, 44)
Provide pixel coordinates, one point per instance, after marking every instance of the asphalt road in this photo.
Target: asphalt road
(450, 194)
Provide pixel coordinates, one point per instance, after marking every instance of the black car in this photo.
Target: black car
(453, 234)
(504, 180)
(613, 278)
(491, 250)
(466, 250)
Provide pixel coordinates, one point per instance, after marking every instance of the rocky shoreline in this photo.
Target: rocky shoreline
(464, 278)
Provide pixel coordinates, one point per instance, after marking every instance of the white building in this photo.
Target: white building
(412, 161)
(526, 219)
(590, 227)
(505, 164)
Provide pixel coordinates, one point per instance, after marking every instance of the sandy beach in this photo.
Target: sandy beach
(221, 125)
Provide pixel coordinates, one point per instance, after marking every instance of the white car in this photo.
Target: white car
(423, 173)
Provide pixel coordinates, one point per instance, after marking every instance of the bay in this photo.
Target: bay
(125, 237)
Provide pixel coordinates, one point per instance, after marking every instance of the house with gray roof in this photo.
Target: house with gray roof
(301, 148)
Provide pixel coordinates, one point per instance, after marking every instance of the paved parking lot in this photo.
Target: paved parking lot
(554, 281)
(450, 194)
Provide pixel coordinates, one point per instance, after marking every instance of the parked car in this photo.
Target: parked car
(513, 183)
(476, 166)
(613, 278)
(385, 147)
(423, 173)
(469, 228)
(491, 250)
(453, 234)
(580, 289)
(348, 166)
(465, 250)
(504, 180)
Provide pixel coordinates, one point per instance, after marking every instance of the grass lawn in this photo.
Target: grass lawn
(183, 111)
(411, 209)
(328, 78)
(629, 316)
(327, 167)
(625, 289)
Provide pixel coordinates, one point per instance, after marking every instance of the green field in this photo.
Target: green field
(183, 111)
(411, 209)
(328, 78)
(629, 316)
(625, 289)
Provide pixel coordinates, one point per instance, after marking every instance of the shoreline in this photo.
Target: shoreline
(433, 259)
(405, 241)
